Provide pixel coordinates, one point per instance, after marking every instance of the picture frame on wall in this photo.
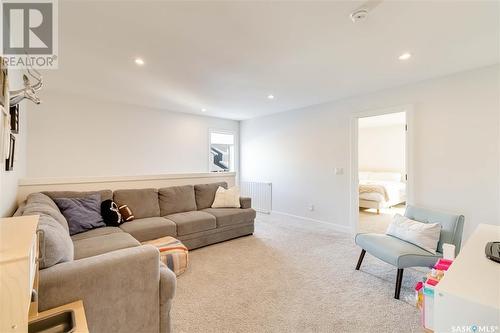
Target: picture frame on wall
(9, 162)
(4, 86)
(14, 119)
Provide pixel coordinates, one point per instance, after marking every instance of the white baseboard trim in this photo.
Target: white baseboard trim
(336, 226)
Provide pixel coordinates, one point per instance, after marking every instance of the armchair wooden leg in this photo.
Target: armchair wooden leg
(399, 279)
(360, 260)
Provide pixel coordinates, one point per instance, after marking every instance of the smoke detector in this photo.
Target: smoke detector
(359, 15)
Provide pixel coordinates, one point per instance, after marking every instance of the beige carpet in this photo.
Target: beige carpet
(370, 221)
(291, 276)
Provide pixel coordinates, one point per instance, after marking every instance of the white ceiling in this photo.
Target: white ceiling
(228, 56)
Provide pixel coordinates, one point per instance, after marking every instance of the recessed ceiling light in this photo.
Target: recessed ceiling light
(203, 110)
(139, 61)
(405, 56)
(270, 96)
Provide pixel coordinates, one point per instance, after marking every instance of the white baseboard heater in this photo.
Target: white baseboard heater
(261, 194)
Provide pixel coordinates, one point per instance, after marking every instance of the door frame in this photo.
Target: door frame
(354, 166)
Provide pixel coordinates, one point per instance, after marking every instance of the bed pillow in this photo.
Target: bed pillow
(227, 198)
(82, 214)
(424, 235)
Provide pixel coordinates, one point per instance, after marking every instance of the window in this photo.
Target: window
(221, 152)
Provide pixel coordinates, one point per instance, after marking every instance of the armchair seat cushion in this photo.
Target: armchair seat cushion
(149, 228)
(231, 216)
(395, 251)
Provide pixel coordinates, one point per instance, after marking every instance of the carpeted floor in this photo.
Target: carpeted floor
(370, 221)
(291, 276)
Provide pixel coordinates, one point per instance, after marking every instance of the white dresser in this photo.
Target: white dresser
(467, 299)
(18, 269)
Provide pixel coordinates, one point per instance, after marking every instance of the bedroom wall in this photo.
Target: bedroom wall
(77, 136)
(456, 160)
(382, 148)
(9, 179)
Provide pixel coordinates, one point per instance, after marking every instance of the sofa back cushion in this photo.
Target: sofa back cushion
(205, 194)
(55, 243)
(105, 194)
(41, 199)
(39, 203)
(176, 199)
(142, 202)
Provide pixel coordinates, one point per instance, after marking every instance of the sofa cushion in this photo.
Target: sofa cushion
(205, 194)
(20, 209)
(41, 198)
(230, 216)
(149, 228)
(245, 202)
(38, 204)
(176, 199)
(96, 232)
(93, 246)
(142, 202)
(191, 222)
(105, 194)
(55, 244)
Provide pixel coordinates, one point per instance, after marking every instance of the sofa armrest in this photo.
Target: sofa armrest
(245, 202)
(120, 290)
(168, 283)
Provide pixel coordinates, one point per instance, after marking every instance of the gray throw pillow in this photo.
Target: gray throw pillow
(82, 214)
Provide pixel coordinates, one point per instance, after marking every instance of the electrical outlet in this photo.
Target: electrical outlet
(311, 207)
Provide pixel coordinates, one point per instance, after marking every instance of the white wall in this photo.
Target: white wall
(9, 179)
(73, 136)
(382, 148)
(456, 159)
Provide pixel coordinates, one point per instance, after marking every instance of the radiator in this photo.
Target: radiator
(261, 194)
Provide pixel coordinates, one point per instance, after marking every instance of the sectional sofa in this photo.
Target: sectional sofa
(124, 286)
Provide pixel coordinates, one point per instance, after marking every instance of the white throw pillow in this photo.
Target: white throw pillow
(424, 235)
(229, 198)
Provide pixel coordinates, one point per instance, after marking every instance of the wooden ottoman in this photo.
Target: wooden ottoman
(172, 253)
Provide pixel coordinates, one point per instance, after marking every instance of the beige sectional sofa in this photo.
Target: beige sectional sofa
(122, 283)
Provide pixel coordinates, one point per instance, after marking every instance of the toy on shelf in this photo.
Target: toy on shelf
(424, 290)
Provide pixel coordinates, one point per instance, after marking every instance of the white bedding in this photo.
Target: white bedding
(395, 189)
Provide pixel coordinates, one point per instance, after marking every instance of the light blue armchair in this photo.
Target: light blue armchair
(402, 254)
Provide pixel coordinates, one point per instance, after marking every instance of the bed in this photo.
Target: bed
(381, 190)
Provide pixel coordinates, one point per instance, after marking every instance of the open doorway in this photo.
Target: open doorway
(382, 170)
